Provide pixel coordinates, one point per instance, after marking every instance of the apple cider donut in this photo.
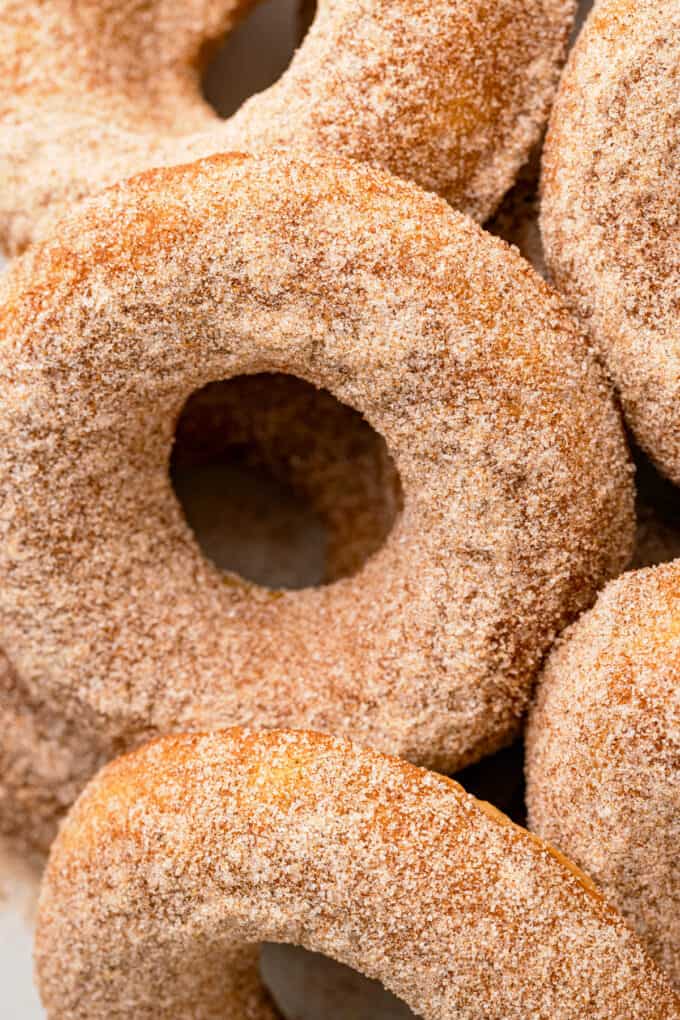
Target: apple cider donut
(603, 752)
(178, 859)
(516, 482)
(611, 194)
(449, 93)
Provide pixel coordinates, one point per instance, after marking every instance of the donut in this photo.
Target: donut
(603, 752)
(179, 858)
(449, 93)
(609, 214)
(512, 464)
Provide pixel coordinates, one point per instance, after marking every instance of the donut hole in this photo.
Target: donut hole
(254, 55)
(281, 483)
(308, 985)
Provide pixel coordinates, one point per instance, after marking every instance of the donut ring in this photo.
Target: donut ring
(180, 857)
(515, 475)
(449, 93)
(609, 216)
(603, 752)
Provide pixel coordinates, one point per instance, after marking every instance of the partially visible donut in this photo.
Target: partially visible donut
(178, 859)
(603, 752)
(449, 93)
(610, 211)
(513, 465)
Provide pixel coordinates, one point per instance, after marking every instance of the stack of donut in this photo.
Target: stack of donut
(213, 763)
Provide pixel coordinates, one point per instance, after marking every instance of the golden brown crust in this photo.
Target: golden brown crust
(516, 479)
(180, 857)
(609, 215)
(449, 93)
(603, 752)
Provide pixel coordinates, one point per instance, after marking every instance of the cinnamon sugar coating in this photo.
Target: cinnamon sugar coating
(515, 475)
(603, 752)
(449, 93)
(610, 211)
(178, 859)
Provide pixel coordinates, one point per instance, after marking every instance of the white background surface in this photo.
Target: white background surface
(307, 988)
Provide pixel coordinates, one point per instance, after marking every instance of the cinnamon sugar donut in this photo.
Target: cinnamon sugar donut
(603, 761)
(182, 856)
(611, 194)
(449, 93)
(515, 476)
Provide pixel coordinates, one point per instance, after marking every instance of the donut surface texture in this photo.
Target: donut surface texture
(515, 476)
(178, 859)
(610, 214)
(449, 93)
(603, 752)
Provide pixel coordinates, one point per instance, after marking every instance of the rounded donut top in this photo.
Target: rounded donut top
(515, 475)
(603, 752)
(609, 213)
(449, 93)
(179, 857)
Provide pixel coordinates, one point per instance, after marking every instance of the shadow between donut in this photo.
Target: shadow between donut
(658, 515)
